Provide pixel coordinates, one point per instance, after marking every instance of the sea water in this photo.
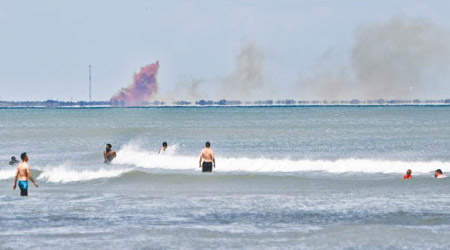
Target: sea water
(286, 177)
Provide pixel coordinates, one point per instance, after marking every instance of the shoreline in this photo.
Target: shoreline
(226, 106)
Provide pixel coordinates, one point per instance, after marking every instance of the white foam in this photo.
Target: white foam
(133, 155)
(63, 175)
(7, 174)
(171, 150)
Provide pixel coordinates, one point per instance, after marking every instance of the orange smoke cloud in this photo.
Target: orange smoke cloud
(143, 87)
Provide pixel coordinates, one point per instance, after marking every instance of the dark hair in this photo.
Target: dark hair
(23, 155)
(109, 145)
(165, 144)
(208, 144)
(439, 171)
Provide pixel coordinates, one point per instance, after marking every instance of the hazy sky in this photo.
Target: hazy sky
(47, 45)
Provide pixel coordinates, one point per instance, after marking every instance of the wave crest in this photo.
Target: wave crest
(7, 173)
(133, 155)
(65, 175)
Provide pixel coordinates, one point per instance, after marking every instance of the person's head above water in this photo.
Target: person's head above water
(24, 156)
(408, 174)
(208, 144)
(164, 144)
(13, 158)
(438, 174)
(108, 147)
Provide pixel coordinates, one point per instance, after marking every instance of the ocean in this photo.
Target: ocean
(286, 178)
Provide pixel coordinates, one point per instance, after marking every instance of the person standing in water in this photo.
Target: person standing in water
(23, 174)
(163, 148)
(207, 156)
(109, 154)
(408, 174)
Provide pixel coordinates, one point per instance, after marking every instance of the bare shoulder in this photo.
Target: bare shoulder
(26, 167)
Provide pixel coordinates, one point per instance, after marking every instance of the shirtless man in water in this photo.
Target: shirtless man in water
(109, 154)
(23, 174)
(207, 155)
(438, 174)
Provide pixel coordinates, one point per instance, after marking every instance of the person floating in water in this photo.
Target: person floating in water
(23, 174)
(163, 148)
(109, 154)
(438, 174)
(207, 156)
(408, 174)
(13, 161)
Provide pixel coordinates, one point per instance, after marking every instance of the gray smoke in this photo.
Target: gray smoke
(332, 84)
(400, 59)
(187, 90)
(247, 80)
(194, 91)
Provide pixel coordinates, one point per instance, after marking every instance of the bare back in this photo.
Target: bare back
(23, 171)
(207, 155)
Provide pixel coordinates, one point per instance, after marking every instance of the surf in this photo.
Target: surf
(137, 157)
(133, 160)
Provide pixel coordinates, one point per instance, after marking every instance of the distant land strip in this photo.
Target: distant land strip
(223, 102)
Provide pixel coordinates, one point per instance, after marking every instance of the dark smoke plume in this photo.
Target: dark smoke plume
(143, 87)
(399, 59)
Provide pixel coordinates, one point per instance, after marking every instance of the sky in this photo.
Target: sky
(46, 46)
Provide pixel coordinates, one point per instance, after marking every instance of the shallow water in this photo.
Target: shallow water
(309, 177)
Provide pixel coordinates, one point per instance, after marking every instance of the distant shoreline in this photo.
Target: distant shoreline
(222, 103)
(228, 106)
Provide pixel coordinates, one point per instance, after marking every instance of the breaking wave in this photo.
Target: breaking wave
(7, 173)
(65, 175)
(132, 158)
(133, 155)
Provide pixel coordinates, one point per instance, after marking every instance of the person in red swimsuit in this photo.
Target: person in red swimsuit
(408, 174)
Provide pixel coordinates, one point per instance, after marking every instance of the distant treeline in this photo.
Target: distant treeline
(223, 102)
(52, 103)
(313, 102)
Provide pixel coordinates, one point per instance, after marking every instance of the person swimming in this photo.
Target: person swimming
(408, 174)
(23, 174)
(163, 148)
(109, 154)
(207, 156)
(438, 174)
(13, 161)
